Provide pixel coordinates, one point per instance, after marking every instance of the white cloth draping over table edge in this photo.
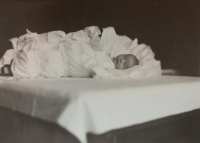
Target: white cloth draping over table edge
(86, 105)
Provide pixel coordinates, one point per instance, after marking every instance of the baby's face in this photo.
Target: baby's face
(125, 61)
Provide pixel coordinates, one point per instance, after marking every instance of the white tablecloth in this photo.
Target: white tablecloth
(97, 106)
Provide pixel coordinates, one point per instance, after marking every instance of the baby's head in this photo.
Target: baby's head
(125, 61)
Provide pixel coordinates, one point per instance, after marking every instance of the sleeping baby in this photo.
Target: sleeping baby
(125, 61)
(79, 54)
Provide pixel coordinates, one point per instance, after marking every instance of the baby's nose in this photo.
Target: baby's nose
(123, 60)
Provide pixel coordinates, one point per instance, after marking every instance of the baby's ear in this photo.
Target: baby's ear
(170, 72)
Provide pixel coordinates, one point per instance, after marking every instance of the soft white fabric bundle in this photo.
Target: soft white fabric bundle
(77, 54)
(37, 55)
(56, 54)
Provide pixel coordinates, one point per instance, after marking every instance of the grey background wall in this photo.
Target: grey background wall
(171, 28)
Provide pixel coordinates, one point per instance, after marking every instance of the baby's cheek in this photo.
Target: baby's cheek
(119, 67)
(115, 64)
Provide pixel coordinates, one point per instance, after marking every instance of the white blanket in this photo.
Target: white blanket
(86, 105)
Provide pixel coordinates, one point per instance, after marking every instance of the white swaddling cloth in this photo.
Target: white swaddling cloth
(77, 54)
(36, 55)
(56, 54)
(82, 59)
